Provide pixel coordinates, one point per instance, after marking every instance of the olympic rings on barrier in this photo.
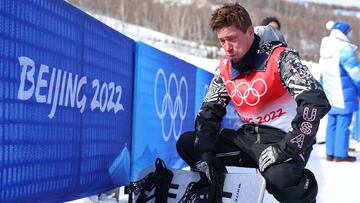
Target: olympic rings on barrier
(250, 92)
(175, 107)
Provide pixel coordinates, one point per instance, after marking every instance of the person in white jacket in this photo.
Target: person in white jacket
(340, 78)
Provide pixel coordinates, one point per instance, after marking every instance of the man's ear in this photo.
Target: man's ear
(250, 31)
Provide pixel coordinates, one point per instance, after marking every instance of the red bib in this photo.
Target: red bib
(260, 97)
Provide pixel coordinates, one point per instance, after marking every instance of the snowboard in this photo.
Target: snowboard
(238, 187)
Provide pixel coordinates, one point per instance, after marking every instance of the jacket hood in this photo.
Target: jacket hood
(269, 34)
(333, 43)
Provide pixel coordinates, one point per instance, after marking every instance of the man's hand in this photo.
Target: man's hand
(211, 166)
(214, 170)
(271, 155)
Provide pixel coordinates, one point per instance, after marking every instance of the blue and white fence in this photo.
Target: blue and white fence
(84, 108)
(65, 103)
(163, 107)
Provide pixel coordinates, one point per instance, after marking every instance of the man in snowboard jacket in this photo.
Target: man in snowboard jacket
(279, 103)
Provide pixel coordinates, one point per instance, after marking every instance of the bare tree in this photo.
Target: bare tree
(179, 21)
(302, 24)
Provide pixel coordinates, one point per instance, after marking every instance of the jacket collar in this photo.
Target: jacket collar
(254, 59)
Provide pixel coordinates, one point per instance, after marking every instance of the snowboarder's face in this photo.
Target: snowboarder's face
(235, 43)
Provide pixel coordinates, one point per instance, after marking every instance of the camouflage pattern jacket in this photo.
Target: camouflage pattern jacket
(269, 89)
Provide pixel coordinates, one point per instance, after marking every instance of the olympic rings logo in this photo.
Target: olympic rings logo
(175, 107)
(249, 95)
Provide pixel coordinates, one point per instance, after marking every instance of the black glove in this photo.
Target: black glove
(212, 170)
(271, 155)
(210, 165)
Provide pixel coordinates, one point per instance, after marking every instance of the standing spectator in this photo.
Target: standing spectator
(340, 78)
(271, 20)
(355, 131)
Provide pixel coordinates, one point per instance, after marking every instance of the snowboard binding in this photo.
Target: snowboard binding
(159, 180)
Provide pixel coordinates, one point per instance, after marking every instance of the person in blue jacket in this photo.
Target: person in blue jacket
(340, 77)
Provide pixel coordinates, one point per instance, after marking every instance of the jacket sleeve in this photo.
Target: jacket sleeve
(209, 117)
(312, 104)
(350, 64)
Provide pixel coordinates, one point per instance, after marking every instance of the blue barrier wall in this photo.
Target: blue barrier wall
(67, 107)
(65, 103)
(203, 79)
(231, 119)
(164, 98)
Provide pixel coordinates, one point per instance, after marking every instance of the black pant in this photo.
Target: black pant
(288, 182)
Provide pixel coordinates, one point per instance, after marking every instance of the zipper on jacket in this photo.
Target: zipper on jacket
(257, 135)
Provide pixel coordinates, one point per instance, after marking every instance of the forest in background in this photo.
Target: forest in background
(303, 25)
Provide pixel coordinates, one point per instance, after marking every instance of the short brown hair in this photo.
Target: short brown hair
(266, 21)
(230, 14)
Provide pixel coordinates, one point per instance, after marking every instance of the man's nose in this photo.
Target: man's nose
(227, 46)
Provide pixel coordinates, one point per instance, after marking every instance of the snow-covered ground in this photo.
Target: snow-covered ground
(338, 182)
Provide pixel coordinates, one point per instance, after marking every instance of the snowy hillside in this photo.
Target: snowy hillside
(188, 51)
(355, 3)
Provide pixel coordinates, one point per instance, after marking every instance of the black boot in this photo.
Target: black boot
(345, 159)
